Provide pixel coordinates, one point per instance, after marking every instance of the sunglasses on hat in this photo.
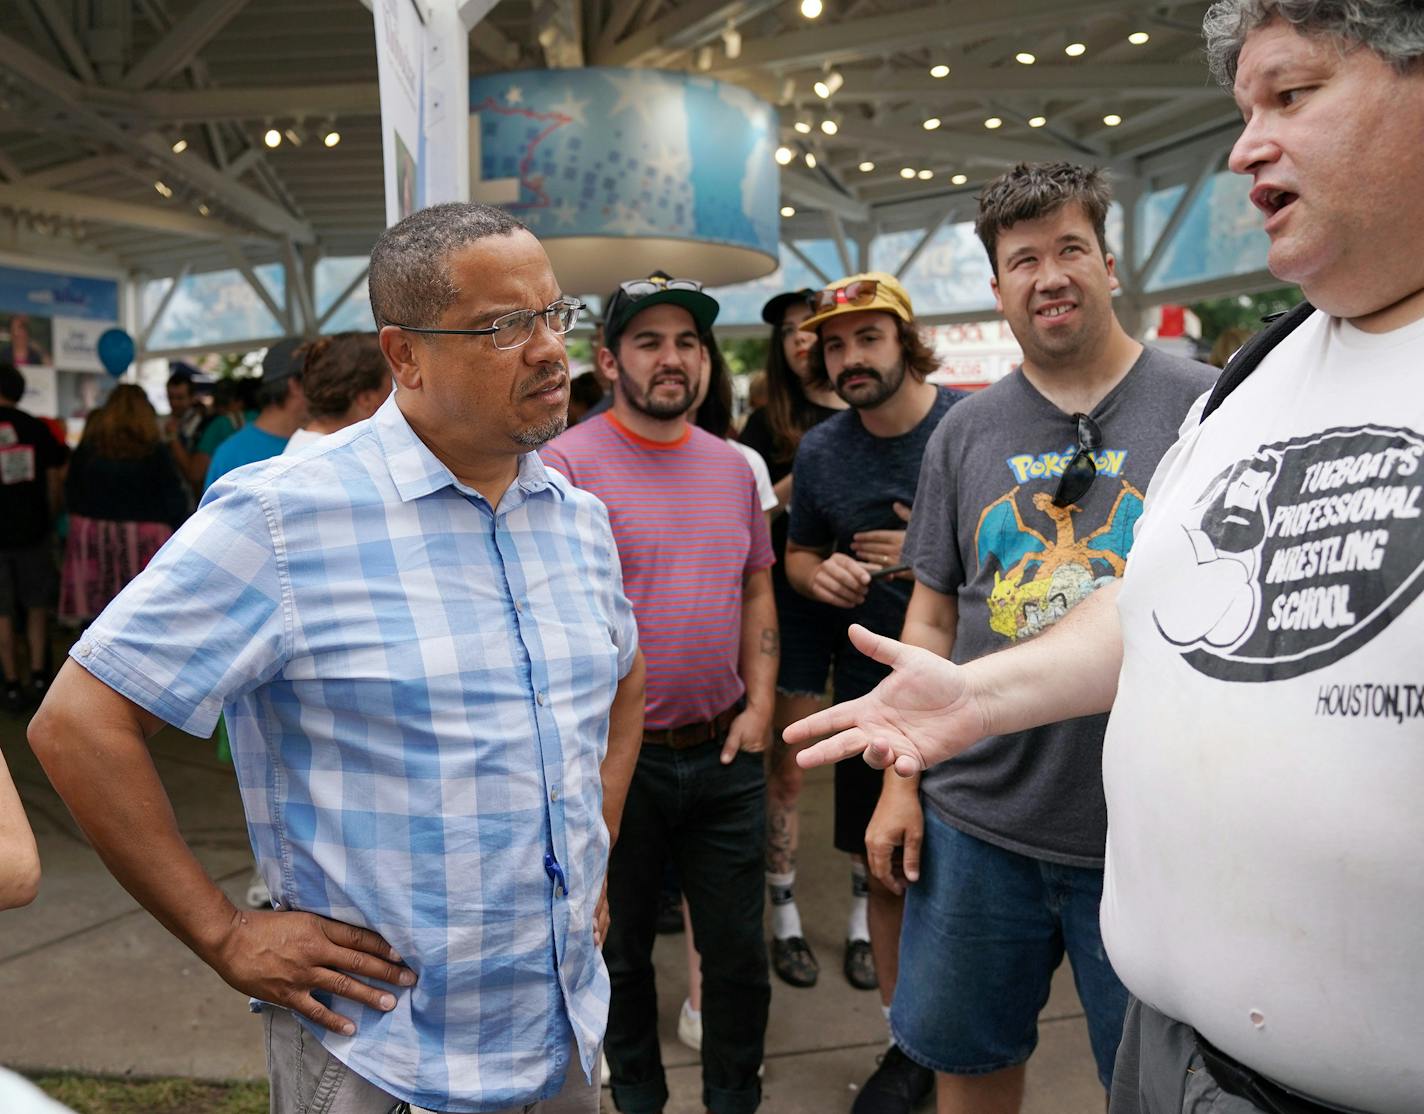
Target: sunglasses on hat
(859, 293)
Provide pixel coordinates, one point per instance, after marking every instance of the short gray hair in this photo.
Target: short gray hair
(409, 281)
(1393, 29)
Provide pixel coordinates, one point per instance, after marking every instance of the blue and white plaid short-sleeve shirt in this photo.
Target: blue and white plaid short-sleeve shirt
(417, 690)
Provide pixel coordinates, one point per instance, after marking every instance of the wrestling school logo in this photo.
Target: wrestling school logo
(1297, 557)
(1037, 579)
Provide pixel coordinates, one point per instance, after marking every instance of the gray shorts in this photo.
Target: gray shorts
(26, 579)
(307, 1079)
(1160, 1071)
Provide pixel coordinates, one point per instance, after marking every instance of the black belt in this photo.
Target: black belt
(1235, 1078)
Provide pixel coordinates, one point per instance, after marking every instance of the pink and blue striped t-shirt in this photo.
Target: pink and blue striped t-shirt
(689, 527)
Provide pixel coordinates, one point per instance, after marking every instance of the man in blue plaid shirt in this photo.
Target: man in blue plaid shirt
(431, 679)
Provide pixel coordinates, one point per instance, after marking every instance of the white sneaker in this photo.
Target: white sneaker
(606, 1074)
(689, 1027)
(258, 895)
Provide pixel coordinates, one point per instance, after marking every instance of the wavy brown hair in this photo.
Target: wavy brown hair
(919, 355)
(789, 413)
(125, 427)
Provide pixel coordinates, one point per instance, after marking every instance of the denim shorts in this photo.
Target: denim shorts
(984, 930)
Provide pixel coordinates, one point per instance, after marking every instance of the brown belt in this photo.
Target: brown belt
(692, 734)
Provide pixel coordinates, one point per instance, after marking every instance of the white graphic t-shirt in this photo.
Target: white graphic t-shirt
(1264, 763)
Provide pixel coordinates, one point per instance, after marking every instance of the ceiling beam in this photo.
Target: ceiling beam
(944, 146)
(58, 26)
(814, 193)
(492, 44)
(215, 184)
(689, 25)
(182, 42)
(911, 30)
(359, 98)
(105, 210)
(867, 83)
(72, 171)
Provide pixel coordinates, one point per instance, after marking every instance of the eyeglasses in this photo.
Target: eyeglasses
(1082, 470)
(514, 329)
(860, 293)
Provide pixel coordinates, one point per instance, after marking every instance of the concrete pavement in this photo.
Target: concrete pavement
(92, 983)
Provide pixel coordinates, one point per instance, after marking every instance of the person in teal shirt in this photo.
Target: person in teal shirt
(283, 412)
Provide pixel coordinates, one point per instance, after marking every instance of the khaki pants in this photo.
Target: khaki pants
(306, 1079)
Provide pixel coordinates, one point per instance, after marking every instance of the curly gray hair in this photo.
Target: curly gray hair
(1393, 29)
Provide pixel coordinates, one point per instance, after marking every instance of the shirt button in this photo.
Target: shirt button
(554, 794)
(82, 649)
(518, 606)
(541, 698)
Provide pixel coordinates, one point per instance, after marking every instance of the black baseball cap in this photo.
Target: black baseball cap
(775, 310)
(282, 359)
(634, 296)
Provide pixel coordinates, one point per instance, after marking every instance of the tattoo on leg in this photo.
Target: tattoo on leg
(780, 840)
(770, 642)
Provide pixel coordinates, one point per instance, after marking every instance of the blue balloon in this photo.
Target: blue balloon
(116, 351)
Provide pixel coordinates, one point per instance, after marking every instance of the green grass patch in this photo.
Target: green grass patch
(89, 1094)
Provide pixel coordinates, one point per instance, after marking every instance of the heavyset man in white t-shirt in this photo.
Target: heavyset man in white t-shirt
(1265, 755)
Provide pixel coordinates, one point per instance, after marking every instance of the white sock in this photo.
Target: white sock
(858, 927)
(696, 1015)
(785, 917)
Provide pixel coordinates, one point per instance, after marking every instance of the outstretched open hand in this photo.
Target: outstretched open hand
(921, 714)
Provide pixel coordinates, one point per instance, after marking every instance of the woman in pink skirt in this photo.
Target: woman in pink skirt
(125, 499)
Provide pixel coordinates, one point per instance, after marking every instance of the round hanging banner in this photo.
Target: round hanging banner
(623, 172)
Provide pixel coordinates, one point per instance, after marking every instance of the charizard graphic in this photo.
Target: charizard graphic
(1042, 580)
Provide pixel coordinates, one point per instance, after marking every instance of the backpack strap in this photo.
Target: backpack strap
(1253, 352)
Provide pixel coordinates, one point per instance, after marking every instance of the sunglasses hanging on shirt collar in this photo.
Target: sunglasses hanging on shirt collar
(1082, 470)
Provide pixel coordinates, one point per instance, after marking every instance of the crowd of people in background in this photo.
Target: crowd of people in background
(623, 597)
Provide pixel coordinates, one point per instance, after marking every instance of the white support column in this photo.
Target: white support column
(842, 246)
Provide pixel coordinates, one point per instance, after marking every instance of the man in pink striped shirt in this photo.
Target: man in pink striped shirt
(696, 557)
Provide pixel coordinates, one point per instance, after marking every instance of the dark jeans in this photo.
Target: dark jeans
(711, 820)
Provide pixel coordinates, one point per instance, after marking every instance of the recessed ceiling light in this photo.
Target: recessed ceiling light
(1037, 121)
(788, 211)
(939, 71)
(907, 172)
(812, 9)
(180, 145)
(926, 175)
(932, 123)
(1075, 50)
(332, 137)
(993, 122)
(1024, 58)
(810, 161)
(1137, 38)
(866, 167)
(272, 137)
(163, 188)
(1112, 119)
(802, 127)
(203, 210)
(784, 155)
(960, 179)
(830, 127)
